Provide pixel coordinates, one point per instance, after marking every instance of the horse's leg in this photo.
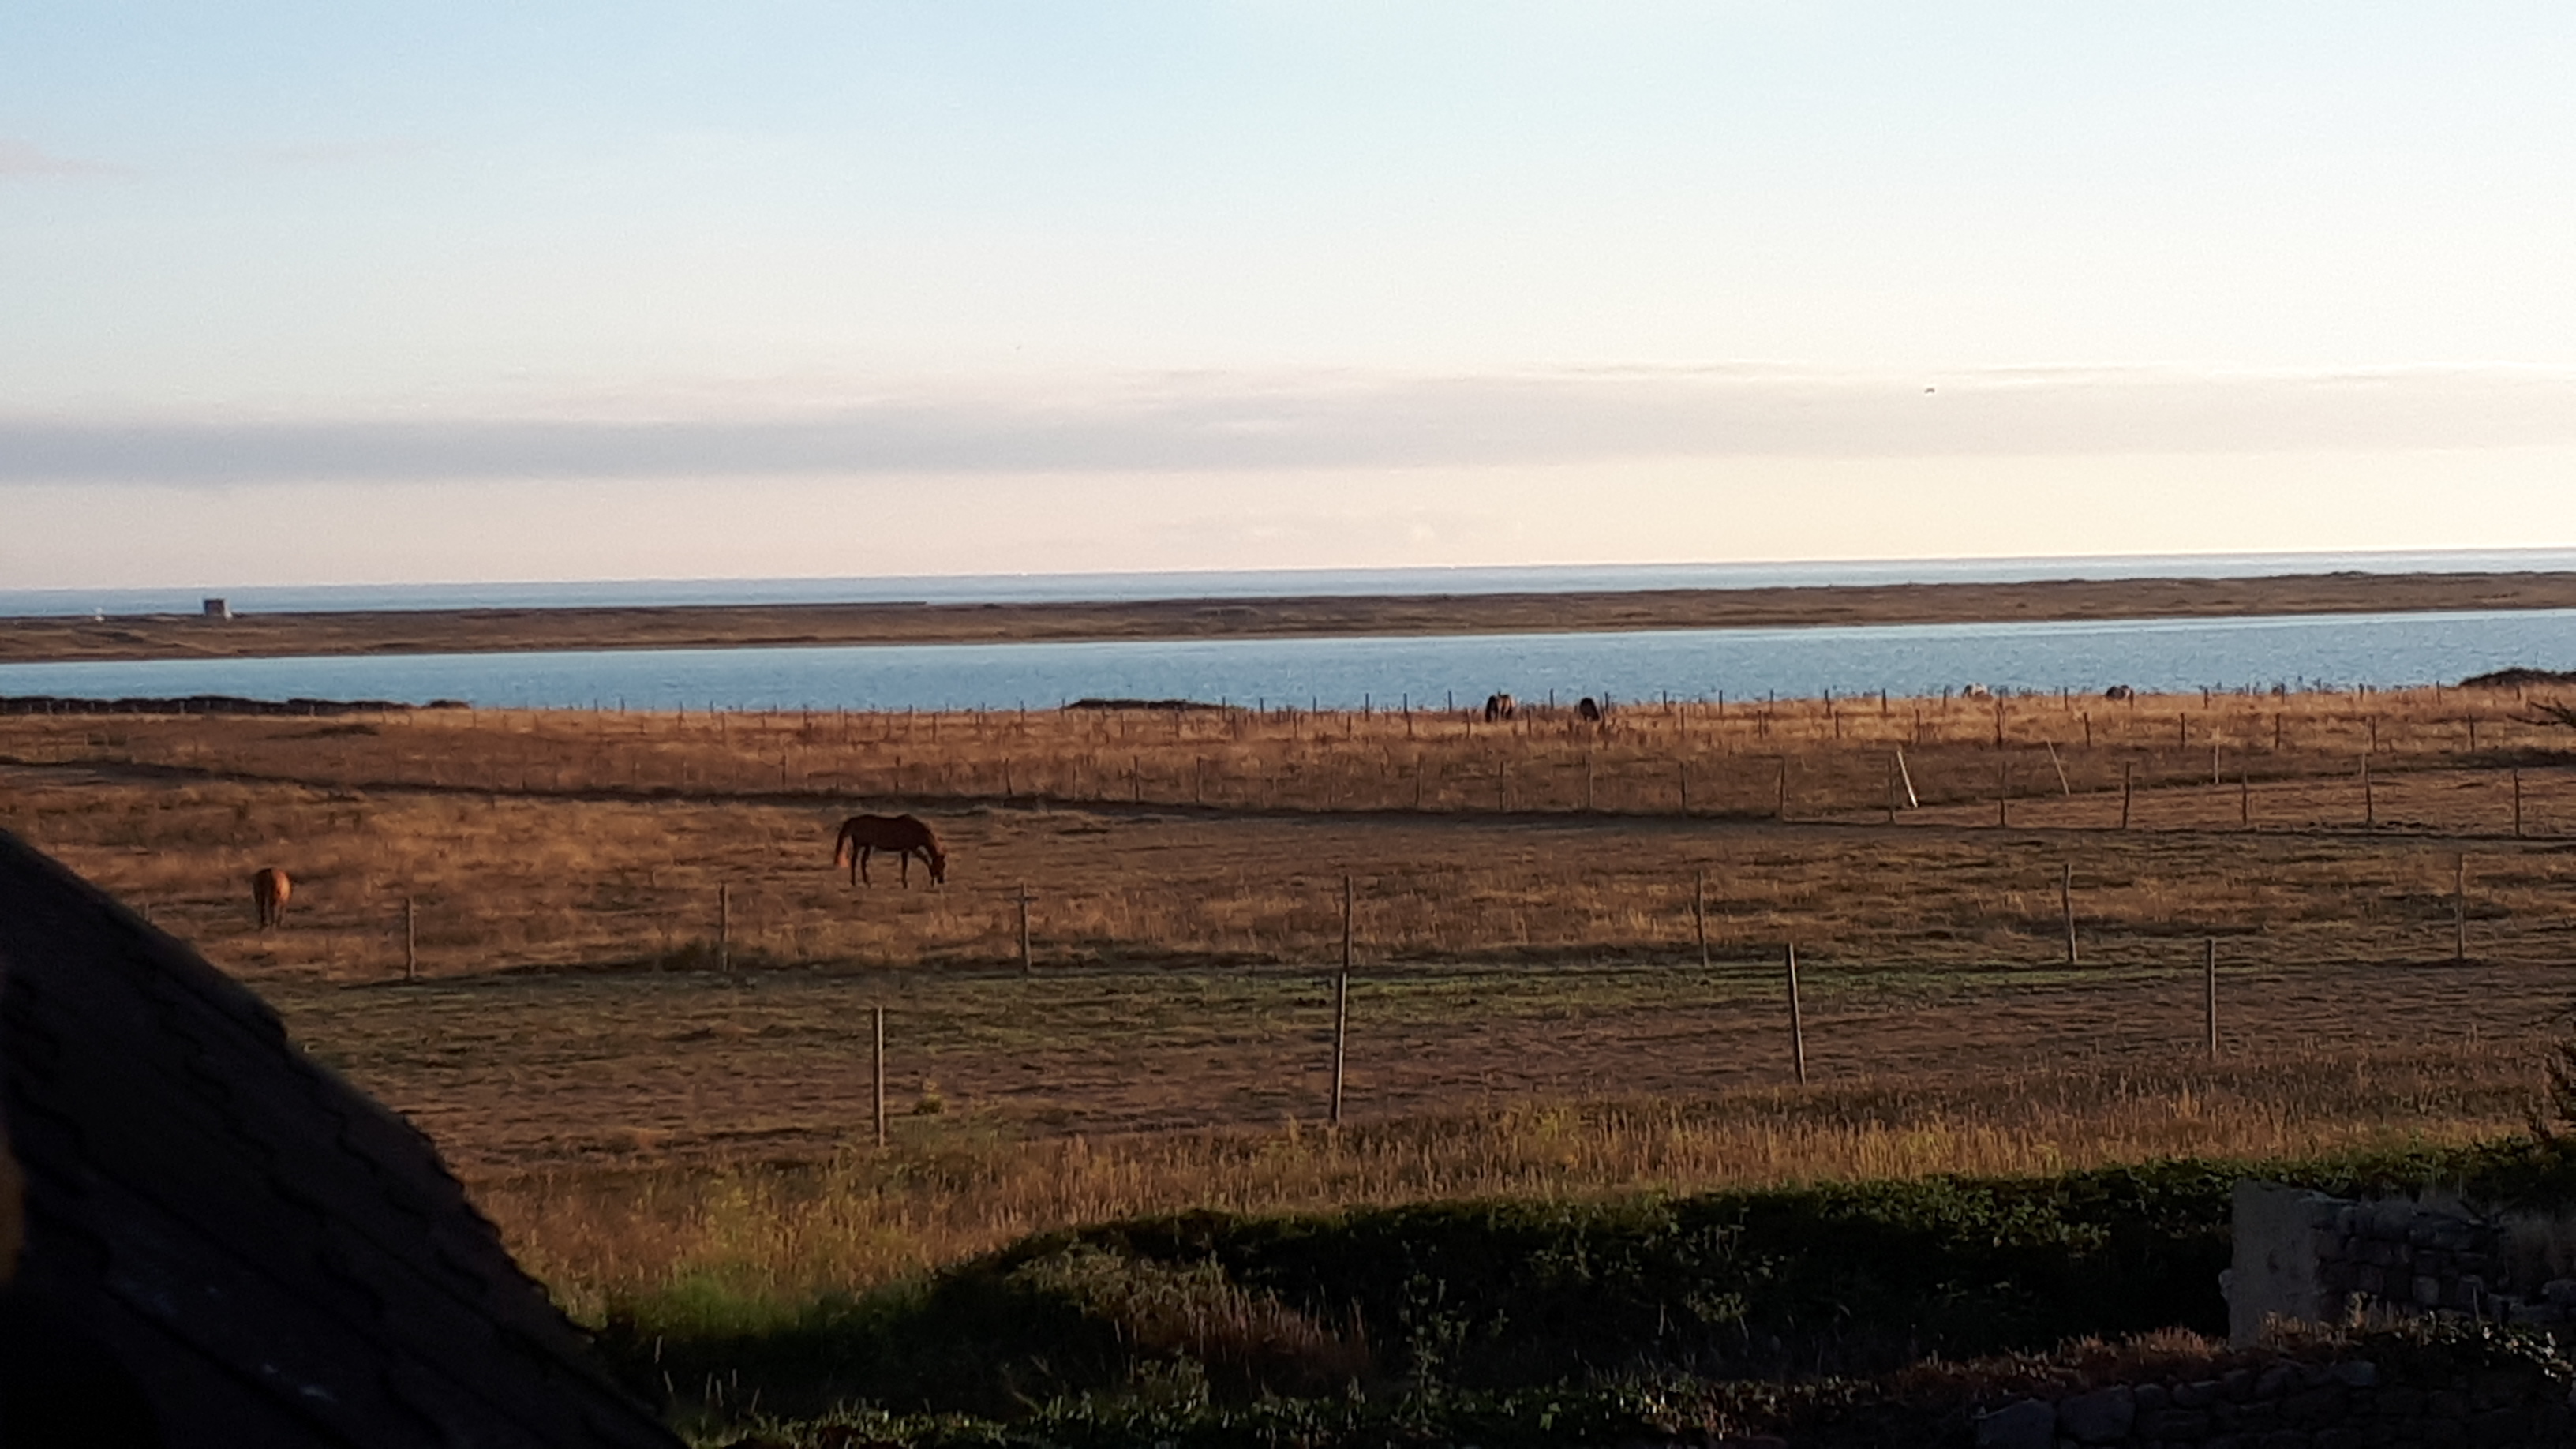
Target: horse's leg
(863, 864)
(905, 855)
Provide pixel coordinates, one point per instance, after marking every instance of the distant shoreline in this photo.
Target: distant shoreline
(36, 639)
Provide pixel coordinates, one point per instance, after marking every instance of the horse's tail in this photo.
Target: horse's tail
(841, 849)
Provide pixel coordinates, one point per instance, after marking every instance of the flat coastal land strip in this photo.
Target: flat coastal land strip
(449, 631)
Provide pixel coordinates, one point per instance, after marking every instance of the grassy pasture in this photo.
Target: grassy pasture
(1194, 837)
(1837, 755)
(1532, 1016)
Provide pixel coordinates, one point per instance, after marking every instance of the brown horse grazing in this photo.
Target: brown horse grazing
(901, 834)
(1587, 711)
(1499, 707)
(269, 888)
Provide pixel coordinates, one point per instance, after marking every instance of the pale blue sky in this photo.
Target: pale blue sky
(616, 291)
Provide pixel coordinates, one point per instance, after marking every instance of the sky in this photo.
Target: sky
(363, 293)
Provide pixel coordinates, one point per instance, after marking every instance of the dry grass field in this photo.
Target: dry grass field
(1531, 1011)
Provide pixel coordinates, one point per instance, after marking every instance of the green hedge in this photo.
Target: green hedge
(1412, 1302)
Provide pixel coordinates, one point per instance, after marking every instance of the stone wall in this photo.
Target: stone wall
(2305, 1257)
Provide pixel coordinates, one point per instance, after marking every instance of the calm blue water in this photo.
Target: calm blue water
(1263, 583)
(2384, 650)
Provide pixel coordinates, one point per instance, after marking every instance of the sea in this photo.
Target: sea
(2306, 652)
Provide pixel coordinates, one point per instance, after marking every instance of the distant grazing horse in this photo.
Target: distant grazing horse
(1586, 709)
(1975, 691)
(269, 889)
(2119, 691)
(901, 834)
(1499, 707)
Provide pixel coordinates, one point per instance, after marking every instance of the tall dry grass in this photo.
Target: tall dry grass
(771, 1235)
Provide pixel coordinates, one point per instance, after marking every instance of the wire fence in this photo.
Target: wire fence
(2032, 899)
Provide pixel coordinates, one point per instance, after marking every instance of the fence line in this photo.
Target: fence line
(1424, 917)
(1337, 1100)
(1631, 763)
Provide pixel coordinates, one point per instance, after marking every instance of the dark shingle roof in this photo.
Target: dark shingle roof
(262, 1250)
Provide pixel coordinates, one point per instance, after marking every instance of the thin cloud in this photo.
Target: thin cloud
(21, 159)
(1231, 423)
(329, 154)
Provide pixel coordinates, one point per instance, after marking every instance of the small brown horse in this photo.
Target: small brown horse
(901, 834)
(1500, 707)
(269, 888)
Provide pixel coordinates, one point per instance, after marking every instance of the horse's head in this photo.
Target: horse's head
(938, 865)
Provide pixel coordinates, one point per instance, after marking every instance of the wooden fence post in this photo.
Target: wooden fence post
(1780, 803)
(2460, 907)
(2245, 799)
(1912, 800)
(724, 927)
(1797, 1023)
(2127, 790)
(2063, 786)
(2209, 991)
(876, 1068)
(2003, 793)
(2517, 802)
(1342, 1005)
(411, 940)
(2066, 906)
(1347, 897)
(1027, 964)
(2369, 801)
(1699, 914)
